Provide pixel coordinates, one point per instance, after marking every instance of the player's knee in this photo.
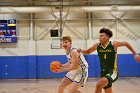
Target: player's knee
(70, 90)
(99, 85)
(102, 83)
(61, 86)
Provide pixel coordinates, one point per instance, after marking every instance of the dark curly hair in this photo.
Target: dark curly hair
(107, 31)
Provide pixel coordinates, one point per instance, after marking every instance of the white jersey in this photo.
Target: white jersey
(82, 61)
(80, 74)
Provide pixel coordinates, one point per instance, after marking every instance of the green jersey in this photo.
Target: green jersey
(108, 57)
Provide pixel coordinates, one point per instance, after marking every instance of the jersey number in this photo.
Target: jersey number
(104, 56)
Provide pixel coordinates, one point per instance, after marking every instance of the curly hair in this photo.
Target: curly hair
(107, 31)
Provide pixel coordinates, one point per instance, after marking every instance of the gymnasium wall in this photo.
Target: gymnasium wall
(31, 59)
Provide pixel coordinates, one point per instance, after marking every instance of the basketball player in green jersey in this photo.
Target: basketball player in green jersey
(107, 52)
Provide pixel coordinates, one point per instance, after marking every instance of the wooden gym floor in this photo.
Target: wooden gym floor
(122, 85)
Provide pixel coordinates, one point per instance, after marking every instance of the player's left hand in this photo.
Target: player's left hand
(79, 50)
(137, 57)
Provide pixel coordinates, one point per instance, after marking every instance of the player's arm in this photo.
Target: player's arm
(91, 49)
(74, 61)
(117, 44)
(66, 64)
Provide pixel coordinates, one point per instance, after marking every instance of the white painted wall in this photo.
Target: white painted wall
(77, 29)
(43, 47)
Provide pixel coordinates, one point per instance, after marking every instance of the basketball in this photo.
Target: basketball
(54, 65)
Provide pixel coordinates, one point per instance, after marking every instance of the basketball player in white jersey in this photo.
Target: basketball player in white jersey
(76, 66)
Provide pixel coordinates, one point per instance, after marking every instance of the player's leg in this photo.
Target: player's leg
(108, 90)
(65, 82)
(102, 82)
(79, 81)
(106, 82)
(68, 79)
(73, 88)
(112, 77)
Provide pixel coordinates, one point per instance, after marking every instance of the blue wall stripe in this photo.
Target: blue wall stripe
(32, 65)
(13, 67)
(16, 67)
(127, 66)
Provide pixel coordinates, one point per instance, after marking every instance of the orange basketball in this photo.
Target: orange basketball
(54, 65)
